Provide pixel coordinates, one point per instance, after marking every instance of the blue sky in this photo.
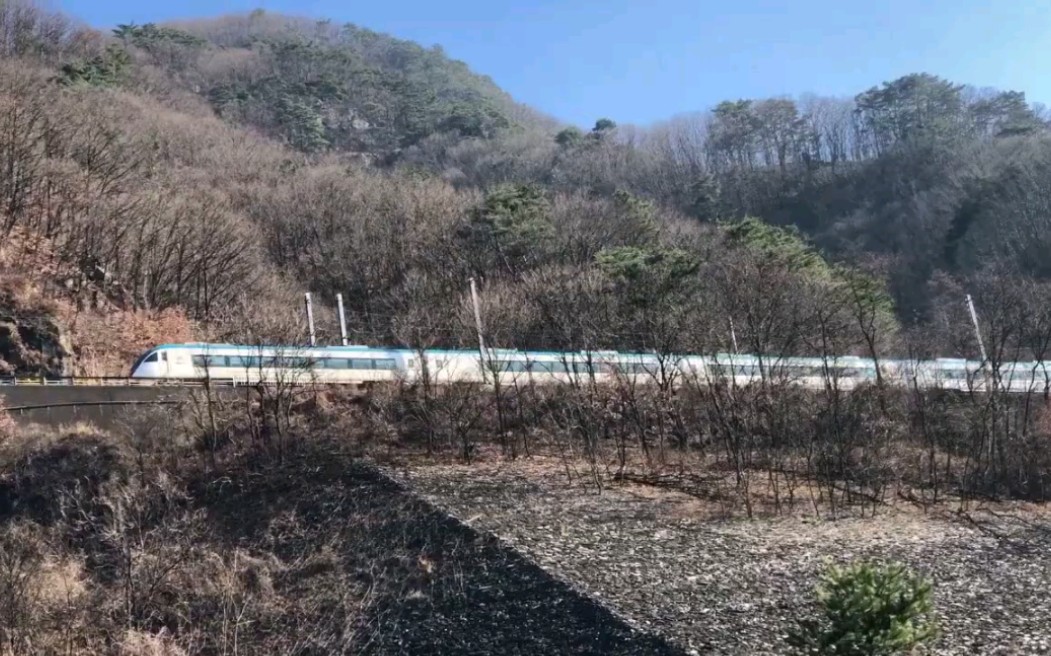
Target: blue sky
(640, 61)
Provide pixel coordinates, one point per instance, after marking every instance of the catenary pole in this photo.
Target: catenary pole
(342, 319)
(310, 320)
(478, 323)
(977, 330)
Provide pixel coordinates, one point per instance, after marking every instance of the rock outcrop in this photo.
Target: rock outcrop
(32, 343)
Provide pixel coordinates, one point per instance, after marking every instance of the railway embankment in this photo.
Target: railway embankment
(100, 404)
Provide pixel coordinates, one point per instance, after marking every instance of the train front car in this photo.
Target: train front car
(164, 362)
(273, 364)
(147, 366)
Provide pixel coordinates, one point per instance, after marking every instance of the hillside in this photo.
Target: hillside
(319, 86)
(209, 171)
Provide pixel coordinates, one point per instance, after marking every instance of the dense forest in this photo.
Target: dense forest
(217, 168)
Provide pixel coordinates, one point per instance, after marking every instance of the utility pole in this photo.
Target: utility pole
(342, 319)
(478, 324)
(310, 320)
(977, 330)
(991, 376)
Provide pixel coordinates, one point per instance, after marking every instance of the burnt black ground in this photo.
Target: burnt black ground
(725, 586)
(433, 585)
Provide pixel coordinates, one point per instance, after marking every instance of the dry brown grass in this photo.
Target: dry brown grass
(45, 591)
(695, 487)
(140, 643)
(100, 537)
(8, 428)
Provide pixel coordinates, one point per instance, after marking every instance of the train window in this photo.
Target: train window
(516, 366)
(336, 363)
(294, 362)
(738, 370)
(592, 367)
(547, 367)
(385, 363)
(640, 368)
(209, 360)
(151, 358)
(361, 364)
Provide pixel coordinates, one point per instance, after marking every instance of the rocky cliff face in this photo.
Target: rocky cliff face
(31, 342)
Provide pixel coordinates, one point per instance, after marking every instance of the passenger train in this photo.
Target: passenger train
(362, 365)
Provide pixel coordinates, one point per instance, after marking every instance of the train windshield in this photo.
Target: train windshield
(148, 356)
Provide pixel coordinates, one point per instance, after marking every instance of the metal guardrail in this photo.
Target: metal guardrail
(77, 404)
(108, 381)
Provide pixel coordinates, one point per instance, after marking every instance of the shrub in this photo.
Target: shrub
(869, 610)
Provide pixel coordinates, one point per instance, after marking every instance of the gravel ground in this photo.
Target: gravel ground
(734, 586)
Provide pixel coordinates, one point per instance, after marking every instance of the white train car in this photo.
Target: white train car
(272, 364)
(845, 372)
(1033, 377)
(513, 367)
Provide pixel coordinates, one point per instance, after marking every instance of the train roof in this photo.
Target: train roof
(208, 346)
